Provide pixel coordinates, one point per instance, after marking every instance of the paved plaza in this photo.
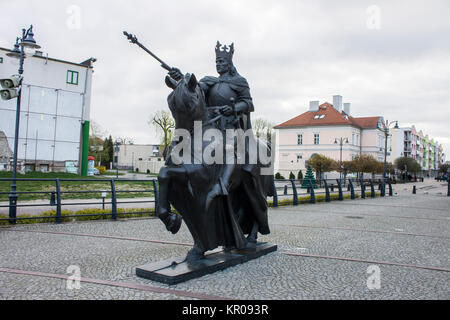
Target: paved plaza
(383, 248)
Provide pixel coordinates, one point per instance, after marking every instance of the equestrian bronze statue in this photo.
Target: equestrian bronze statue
(223, 204)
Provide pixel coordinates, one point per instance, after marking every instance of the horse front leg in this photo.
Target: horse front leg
(171, 220)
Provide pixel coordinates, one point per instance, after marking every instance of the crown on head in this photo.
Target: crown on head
(223, 51)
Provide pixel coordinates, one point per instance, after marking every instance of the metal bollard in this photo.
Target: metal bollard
(363, 189)
(382, 187)
(372, 188)
(352, 189)
(58, 202)
(327, 192)
(313, 196)
(275, 196)
(295, 196)
(448, 188)
(414, 189)
(341, 196)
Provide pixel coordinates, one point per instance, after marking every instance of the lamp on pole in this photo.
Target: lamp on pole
(27, 42)
(341, 142)
(386, 135)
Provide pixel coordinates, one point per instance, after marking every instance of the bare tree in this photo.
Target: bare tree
(97, 131)
(262, 129)
(164, 124)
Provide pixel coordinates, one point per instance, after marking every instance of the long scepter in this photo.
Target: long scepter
(134, 40)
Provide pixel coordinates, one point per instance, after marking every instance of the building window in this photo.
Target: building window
(316, 138)
(72, 77)
(357, 139)
(1, 60)
(299, 157)
(353, 139)
(299, 139)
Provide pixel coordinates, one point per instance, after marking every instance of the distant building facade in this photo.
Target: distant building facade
(55, 112)
(5, 152)
(316, 131)
(408, 142)
(142, 157)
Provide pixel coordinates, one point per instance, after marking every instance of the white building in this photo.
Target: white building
(316, 132)
(54, 112)
(142, 157)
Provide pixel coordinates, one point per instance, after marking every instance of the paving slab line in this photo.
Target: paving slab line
(361, 230)
(365, 261)
(128, 285)
(281, 252)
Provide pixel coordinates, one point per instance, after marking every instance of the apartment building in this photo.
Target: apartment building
(320, 130)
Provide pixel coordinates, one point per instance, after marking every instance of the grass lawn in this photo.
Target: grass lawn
(79, 188)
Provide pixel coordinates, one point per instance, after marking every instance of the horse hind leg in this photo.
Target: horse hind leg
(252, 238)
(195, 254)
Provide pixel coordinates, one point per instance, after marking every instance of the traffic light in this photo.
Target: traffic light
(10, 86)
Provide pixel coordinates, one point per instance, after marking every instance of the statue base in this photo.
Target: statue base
(173, 271)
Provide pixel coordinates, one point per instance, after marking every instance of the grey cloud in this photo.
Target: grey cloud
(291, 52)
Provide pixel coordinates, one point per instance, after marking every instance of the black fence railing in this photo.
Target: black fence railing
(300, 189)
(285, 191)
(55, 193)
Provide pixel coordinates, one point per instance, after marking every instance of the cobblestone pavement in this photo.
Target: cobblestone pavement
(331, 250)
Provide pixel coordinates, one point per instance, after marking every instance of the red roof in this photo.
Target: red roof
(327, 115)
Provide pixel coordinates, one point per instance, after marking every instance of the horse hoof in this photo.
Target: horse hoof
(174, 223)
(195, 254)
(228, 249)
(251, 245)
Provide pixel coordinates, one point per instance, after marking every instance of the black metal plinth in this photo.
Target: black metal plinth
(173, 271)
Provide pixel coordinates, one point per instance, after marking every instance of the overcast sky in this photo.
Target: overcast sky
(387, 58)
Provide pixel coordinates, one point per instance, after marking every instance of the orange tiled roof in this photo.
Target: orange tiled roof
(330, 116)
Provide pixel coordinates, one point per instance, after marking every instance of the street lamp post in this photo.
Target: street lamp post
(341, 142)
(406, 171)
(27, 41)
(386, 135)
(117, 143)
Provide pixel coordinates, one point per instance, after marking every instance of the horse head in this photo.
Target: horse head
(187, 101)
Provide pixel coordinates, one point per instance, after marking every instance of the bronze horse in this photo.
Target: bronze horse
(220, 203)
